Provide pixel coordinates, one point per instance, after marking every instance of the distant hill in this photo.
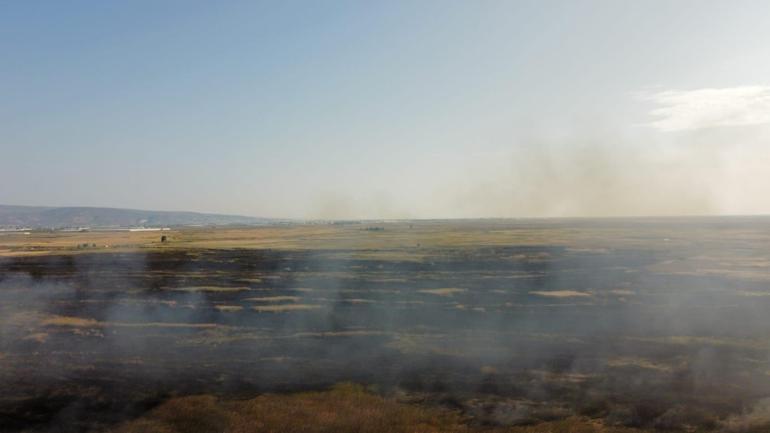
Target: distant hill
(100, 217)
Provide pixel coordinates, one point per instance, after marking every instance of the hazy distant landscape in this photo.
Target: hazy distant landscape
(37, 217)
(401, 216)
(599, 324)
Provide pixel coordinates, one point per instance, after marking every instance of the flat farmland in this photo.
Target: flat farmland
(632, 323)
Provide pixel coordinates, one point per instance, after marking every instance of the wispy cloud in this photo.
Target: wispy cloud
(680, 110)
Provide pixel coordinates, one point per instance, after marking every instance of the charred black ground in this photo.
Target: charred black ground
(664, 326)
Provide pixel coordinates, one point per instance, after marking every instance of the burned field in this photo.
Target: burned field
(639, 323)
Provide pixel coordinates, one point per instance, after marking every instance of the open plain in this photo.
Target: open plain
(511, 325)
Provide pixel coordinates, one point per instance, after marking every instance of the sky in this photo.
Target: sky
(387, 109)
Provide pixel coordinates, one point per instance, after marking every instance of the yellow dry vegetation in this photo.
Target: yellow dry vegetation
(274, 299)
(228, 308)
(449, 291)
(560, 293)
(59, 242)
(639, 363)
(210, 289)
(414, 240)
(81, 322)
(39, 337)
(281, 308)
(400, 240)
(69, 321)
(347, 408)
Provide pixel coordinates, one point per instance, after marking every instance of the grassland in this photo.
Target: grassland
(556, 325)
(399, 240)
(347, 408)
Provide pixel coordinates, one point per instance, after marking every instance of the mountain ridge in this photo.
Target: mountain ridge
(108, 217)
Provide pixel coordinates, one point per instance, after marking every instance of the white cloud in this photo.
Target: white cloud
(680, 110)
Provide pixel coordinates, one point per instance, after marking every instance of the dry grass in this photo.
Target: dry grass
(228, 308)
(409, 240)
(399, 241)
(42, 242)
(70, 321)
(82, 322)
(442, 292)
(639, 363)
(347, 408)
(212, 289)
(280, 308)
(561, 294)
(274, 299)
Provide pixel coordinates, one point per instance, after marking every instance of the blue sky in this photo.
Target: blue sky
(387, 109)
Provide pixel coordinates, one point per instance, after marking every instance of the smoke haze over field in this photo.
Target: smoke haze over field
(717, 173)
(538, 319)
(248, 197)
(615, 177)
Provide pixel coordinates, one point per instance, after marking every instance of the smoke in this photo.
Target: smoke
(585, 172)
(755, 419)
(594, 179)
(670, 310)
(375, 204)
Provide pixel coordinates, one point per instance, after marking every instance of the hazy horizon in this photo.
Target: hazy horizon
(427, 218)
(394, 110)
